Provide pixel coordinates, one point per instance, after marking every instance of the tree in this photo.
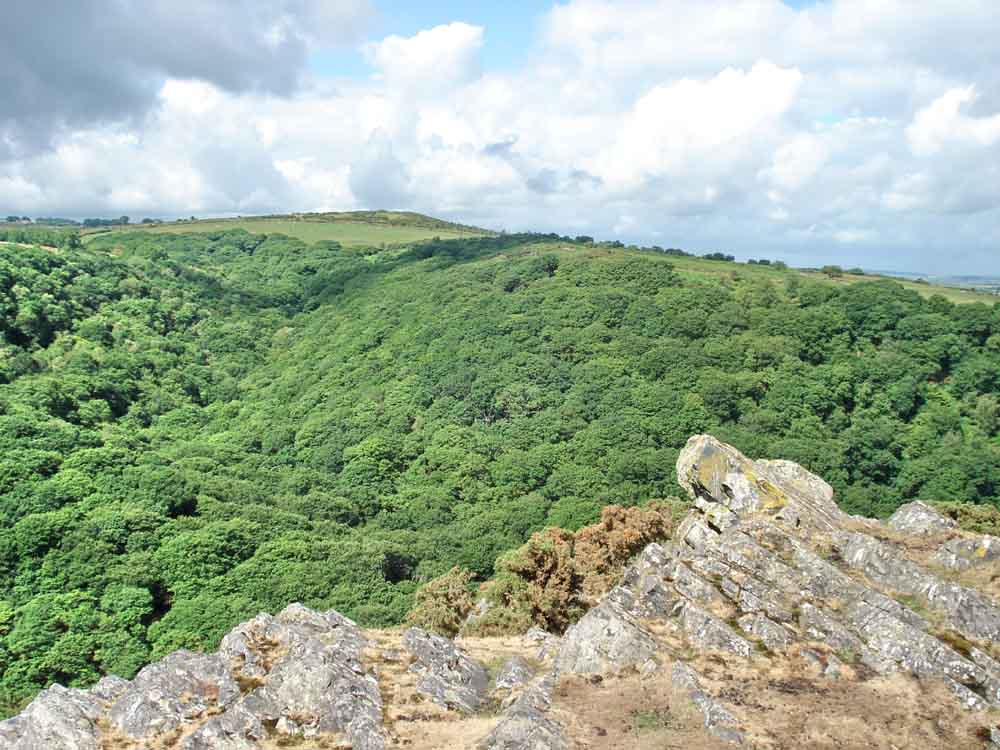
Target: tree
(834, 272)
(988, 413)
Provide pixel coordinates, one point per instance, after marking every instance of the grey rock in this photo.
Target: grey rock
(547, 643)
(57, 719)
(919, 518)
(708, 631)
(447, 676)
(969, 700)
(514, 673)
(525, 725)
(834, 667)
(317, 689)
(963, 553)
(644, 591)
(817, 625)
(605, 640)
(774, 636)
(692, 586)
(718, 719)
(236, 729)
(536, 635)
(967, 611)
(109, 688)
(525, 730)
(179, 688)
(788, 552)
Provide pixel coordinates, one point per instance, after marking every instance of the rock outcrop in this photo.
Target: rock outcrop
(767, 604)
(299, 673)
(447, 676)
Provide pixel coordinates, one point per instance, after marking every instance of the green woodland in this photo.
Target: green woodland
(197, 427)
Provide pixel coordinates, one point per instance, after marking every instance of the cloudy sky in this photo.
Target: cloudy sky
(853, 131)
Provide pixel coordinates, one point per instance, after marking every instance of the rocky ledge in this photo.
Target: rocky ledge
(771, 619)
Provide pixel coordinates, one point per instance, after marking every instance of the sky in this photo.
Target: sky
(860, 132)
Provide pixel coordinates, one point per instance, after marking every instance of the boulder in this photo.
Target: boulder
(450, 678)
(919, 518)
(177, 689)
(57, 719)
(605, 640)
(526, 726)
(514, 673)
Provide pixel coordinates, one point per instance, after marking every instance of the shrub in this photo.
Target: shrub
(551, 580)
(980, 519)
(443, 603)
(602, 550)
(537, 583)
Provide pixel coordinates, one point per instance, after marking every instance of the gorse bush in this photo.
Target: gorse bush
(601, 551)
(979, 519)
(552, 579)
(443, 604)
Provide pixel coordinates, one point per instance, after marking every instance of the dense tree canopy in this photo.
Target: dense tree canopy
(194, 428)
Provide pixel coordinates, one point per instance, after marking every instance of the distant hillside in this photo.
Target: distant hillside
(349, 228)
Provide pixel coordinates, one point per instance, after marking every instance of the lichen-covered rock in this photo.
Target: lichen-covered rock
(709, 632)
(526, 726)
(57, 719)
(718, 720)
(605, 640)
(447, 676)
(919, 518)
(968, 552)
(513, 673)
(177, 689)
(719, 474)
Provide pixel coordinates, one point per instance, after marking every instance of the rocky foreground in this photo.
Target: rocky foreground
(771, 620)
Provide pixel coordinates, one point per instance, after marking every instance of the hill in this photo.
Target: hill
(198, 427)
(353, 229)
(767, 618)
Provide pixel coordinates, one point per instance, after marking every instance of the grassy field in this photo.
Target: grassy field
(342, 228)
(701, 267)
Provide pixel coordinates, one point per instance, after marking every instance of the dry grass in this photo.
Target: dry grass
(414, 722)
(629, 713)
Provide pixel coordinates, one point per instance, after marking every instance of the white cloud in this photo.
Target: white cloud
(433, 59)
(943, 123)
(679, 125)
(797, 161)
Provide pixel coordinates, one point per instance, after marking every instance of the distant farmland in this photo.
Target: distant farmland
(362, 229)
